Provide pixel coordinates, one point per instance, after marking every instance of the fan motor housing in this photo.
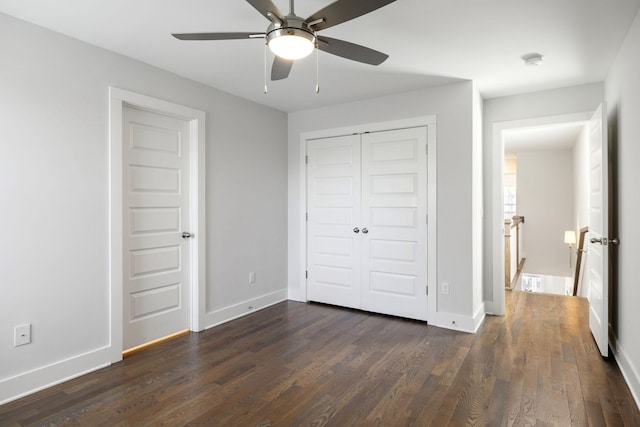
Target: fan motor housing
(292, 25)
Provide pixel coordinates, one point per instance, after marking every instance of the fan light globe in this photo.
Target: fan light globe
(293, 44)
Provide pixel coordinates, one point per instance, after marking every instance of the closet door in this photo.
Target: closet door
(394, 222)
(333, 234)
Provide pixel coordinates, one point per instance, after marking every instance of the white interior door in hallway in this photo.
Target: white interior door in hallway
(598, 261)
(156, 213)
(367, 222)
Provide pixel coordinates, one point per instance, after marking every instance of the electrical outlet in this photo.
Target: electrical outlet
(445, 288)
(252, 277)
(22, 335)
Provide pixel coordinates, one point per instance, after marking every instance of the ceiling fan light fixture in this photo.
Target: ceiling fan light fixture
(291, 43)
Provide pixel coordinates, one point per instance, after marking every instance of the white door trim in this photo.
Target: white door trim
(432, 264)
(497, 306)
(196, 118)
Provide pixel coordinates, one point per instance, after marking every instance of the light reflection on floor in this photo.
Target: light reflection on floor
(545, 284)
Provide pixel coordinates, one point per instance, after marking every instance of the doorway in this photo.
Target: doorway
(597, 217)
(546, 171)
(121, 179)
(500, 129)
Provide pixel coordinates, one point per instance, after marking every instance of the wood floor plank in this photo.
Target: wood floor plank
(312, 364)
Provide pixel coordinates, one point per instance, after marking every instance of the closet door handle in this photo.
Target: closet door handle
(365, 231)
(356, 230)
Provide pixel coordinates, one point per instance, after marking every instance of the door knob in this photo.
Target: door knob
(356, 230)
(605, 241)
(601, 240)
(186, 235)
(365, 231)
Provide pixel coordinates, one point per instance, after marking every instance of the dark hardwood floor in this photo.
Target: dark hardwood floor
(308, 364)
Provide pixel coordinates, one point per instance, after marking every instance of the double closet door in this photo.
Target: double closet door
(367, 222)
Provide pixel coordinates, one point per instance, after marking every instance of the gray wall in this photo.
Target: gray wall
(54, 250)
(545, 199)
(622, 89)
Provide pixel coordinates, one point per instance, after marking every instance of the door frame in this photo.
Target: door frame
(497, 306)
(430, 123)
(196, 118)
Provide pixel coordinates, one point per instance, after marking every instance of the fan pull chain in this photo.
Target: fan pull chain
(265, 69)
(317, 65)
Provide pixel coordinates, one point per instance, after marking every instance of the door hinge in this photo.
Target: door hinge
(306, 160)
(427, 290)
(427, 218)
(306, 274)
(306, 216)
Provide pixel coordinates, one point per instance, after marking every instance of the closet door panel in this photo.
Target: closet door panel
(334, 210)
(394, 213)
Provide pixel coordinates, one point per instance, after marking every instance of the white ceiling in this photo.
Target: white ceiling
(430, 42)
(557, 137)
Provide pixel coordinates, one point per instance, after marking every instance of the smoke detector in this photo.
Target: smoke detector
(532, 59)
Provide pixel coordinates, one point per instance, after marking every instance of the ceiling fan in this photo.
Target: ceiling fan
(290, 37)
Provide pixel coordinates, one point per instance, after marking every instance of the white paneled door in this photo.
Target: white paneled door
(333, 225)
(156, 213)
(367, 222)
(598, 262)
(394, 214)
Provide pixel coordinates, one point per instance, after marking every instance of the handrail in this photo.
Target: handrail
(576, 278)
(516, 220)
(509, 224)
(507, 253)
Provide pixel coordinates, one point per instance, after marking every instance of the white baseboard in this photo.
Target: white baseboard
(490, 307)
(628, 369)
(226, 314)
(453, 321)
(38, 379)
(295, 296)
(478, 317)
(459, 322)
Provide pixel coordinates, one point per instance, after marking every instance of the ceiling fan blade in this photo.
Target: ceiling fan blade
(217, 36)
(264, 6)
(344, 10)
(280, 68)
(351, 51)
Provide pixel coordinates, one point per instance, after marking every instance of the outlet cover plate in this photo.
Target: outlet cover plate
(22, 335)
